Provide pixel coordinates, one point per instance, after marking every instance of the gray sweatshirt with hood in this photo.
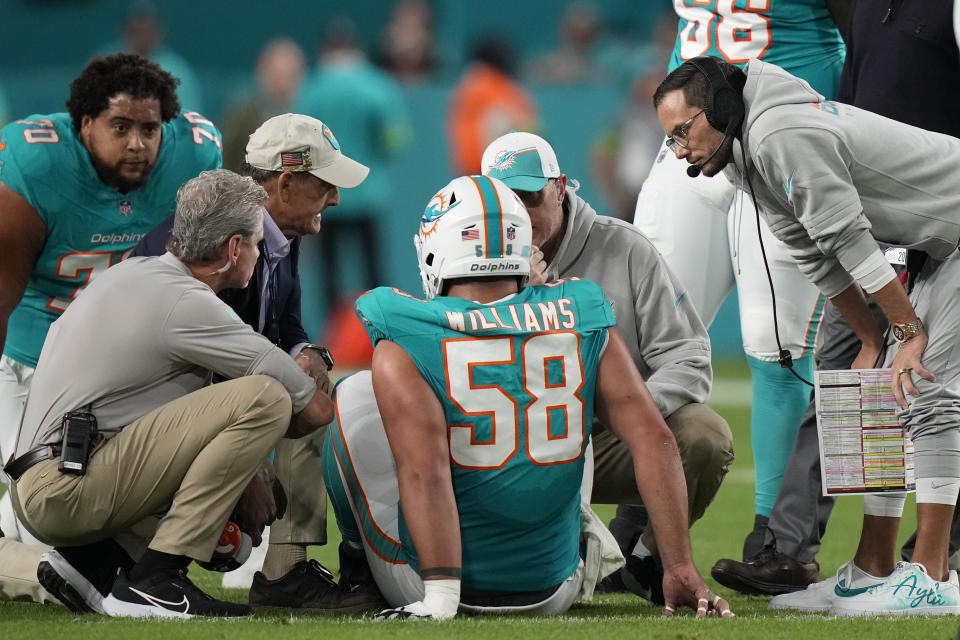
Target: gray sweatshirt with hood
(666, 338)
(833, 181)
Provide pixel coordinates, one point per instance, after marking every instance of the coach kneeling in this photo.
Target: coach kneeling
(171, 453)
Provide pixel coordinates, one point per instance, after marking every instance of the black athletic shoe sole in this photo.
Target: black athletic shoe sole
(66, 584)
(60, 589)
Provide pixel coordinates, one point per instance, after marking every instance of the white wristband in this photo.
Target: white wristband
(441, 597)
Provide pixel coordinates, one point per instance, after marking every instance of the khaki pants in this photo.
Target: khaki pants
(170, 478)
(18, 572)
(300, 471)
(706, 451)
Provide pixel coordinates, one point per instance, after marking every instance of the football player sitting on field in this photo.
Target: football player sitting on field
(455, 467)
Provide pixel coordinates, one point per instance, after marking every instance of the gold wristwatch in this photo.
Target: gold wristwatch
(903, 332)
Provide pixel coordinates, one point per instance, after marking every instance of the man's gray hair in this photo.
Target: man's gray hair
(210, 208)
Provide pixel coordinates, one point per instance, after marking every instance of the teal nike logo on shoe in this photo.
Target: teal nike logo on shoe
(787, 188)
(843, 592)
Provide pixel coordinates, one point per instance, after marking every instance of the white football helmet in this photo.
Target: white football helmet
(474, 226)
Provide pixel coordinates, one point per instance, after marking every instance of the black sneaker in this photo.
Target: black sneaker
(166, 595)
(613, 583)
(80, 577)
(65, 583)
(357, 591)
(626, 527)
(644, 577)
(309, 585)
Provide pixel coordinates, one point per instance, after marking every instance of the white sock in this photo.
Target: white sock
(860, 573)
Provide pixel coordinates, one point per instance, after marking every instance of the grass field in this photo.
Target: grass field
(719, 534)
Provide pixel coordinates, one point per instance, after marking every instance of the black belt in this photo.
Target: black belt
(18, 467)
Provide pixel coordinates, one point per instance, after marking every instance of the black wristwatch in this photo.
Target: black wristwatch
(324, 354)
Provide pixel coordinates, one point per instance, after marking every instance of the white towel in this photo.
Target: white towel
(603, 555)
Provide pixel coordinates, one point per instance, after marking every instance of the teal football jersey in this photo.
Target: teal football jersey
(798, 35)
(516, 379)
(90, 225)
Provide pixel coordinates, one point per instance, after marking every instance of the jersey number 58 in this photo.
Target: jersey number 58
(552, 377)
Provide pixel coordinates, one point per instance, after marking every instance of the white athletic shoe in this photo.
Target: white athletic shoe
(906, 591)
(820, 596)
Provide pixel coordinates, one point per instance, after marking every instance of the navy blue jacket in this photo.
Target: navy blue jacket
(903, 63)
(282, 324)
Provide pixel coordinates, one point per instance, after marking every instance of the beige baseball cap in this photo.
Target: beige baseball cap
(295, 142)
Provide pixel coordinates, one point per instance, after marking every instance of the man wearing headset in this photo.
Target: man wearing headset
(893, 52)
(802, 37)
(831, 193)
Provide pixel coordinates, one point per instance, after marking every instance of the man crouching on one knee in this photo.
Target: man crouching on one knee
(171, 453)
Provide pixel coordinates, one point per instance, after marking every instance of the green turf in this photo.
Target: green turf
(719, 534)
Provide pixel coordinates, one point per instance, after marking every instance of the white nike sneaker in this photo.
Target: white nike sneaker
(909, 590)
(820, 596)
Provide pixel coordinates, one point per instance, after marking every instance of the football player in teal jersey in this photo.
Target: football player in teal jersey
(457, 467)
(801, 36)
(77, 191)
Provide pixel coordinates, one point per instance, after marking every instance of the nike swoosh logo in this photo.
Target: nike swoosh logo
(787, 188)
(157, 602)
(939, 485)
(849, 593)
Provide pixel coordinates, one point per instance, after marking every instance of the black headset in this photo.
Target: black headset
(724, 108)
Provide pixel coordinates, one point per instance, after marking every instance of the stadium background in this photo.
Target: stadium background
(45, 43)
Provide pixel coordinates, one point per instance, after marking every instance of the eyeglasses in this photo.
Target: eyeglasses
(680, 133)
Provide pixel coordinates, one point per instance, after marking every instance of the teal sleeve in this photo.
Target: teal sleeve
(20, 163)
(10, 170)
(594, 306)
(370, 312)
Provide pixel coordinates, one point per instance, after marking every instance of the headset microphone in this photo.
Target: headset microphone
(694, 170)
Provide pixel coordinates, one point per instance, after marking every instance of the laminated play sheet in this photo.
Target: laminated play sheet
(863, 448)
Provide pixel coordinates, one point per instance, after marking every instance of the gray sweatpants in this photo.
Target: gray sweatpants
(800, 514)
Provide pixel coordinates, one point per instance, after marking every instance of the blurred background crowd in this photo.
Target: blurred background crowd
(414, 89)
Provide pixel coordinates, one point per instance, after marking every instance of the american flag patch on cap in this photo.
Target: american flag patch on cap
(291, 159)
(470, 234)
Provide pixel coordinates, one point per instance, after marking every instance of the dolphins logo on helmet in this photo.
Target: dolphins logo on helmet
(438, 205)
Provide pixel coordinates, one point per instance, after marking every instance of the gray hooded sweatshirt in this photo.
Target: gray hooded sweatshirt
(666, 338)
(833, 180)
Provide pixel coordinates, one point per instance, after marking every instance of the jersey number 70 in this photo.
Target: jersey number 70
(552, 376)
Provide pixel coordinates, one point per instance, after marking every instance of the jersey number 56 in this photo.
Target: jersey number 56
(738, 34)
